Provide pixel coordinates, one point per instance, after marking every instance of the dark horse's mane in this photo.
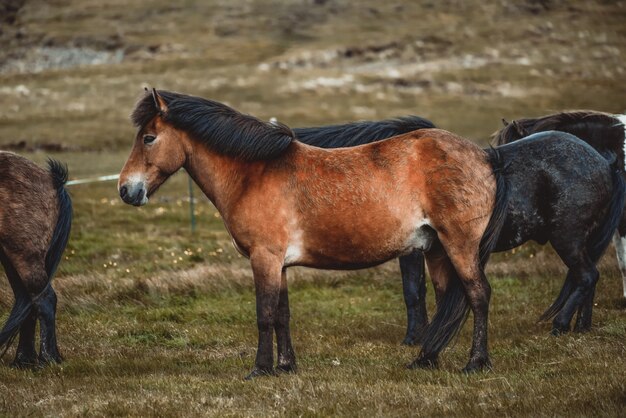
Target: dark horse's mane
(220, 127)
(358, 133)
(602, 131)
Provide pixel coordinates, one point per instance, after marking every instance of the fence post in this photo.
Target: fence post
(191, 206)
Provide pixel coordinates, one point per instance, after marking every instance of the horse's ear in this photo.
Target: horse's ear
(159, 103)
(519, 128)
(505, 123)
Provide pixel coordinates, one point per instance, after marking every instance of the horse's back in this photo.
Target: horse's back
(555, 149)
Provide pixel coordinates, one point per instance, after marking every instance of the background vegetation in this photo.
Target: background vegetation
(154, 320)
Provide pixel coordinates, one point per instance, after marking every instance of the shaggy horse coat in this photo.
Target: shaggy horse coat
(603, 131)
(411, 265)
(35, 222)
(286, 203)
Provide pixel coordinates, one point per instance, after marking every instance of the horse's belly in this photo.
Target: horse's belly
(519, 227)
(349, 249)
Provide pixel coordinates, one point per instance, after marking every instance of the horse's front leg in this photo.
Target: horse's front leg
(286, 355)
(267, 269)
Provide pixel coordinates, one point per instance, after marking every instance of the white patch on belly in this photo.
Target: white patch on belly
(294, 248)
(422, 238)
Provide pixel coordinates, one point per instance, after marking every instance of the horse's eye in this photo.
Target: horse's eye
(148, 139)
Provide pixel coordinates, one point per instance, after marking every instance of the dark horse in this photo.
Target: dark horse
(411, 265)
(603, 131)
(563, 192)
(35, 222)
(286, 203)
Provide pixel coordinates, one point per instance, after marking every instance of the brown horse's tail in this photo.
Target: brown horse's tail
(61, 233)
(24, 303)
(498, 214)
(453, 309)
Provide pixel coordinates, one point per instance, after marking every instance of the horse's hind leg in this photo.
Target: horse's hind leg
(583, 320)
(478, 292)
(286, 355)
(47, 306)
(25, 355)
(414, 289)
(585, 276)
(30, 278)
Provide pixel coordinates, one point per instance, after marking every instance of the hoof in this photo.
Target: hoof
(24, 364)
(414, 337)
(287, 368)
(46, 358)
(477, 365)
(559, 327)
(582, 326)
(556, 331)
(23, 361)
(412, 340)
(257, 372)
(582, 329)
(423, 363)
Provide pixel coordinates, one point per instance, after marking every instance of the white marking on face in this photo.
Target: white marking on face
(136, 181)
(294, 248)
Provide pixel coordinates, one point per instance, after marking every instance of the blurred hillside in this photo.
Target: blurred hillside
(71, 70)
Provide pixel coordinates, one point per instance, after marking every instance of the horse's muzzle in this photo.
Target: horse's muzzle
(134, 194)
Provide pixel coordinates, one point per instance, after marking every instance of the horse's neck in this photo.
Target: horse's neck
(221, 178)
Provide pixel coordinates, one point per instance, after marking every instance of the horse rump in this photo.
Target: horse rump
(599, 239)
(453, 308)
(24, 303)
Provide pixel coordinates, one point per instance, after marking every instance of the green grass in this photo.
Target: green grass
(188, 354)
(154, 320)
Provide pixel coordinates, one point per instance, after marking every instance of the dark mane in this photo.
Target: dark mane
(602, 131)
(220, 127)
(358, 133)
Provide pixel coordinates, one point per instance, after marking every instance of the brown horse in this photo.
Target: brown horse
(286, 203)
(35, 222)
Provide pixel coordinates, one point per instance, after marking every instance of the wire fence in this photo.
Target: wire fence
(112, 177)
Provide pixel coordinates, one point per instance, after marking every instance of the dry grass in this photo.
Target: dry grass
(180, 343)
(156, 321)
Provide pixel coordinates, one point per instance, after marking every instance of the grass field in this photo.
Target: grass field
(154, 320)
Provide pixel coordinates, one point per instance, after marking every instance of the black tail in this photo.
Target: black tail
(498, 215)
(61, 233)
(453, 309)
(23, 305)
(599, 239)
